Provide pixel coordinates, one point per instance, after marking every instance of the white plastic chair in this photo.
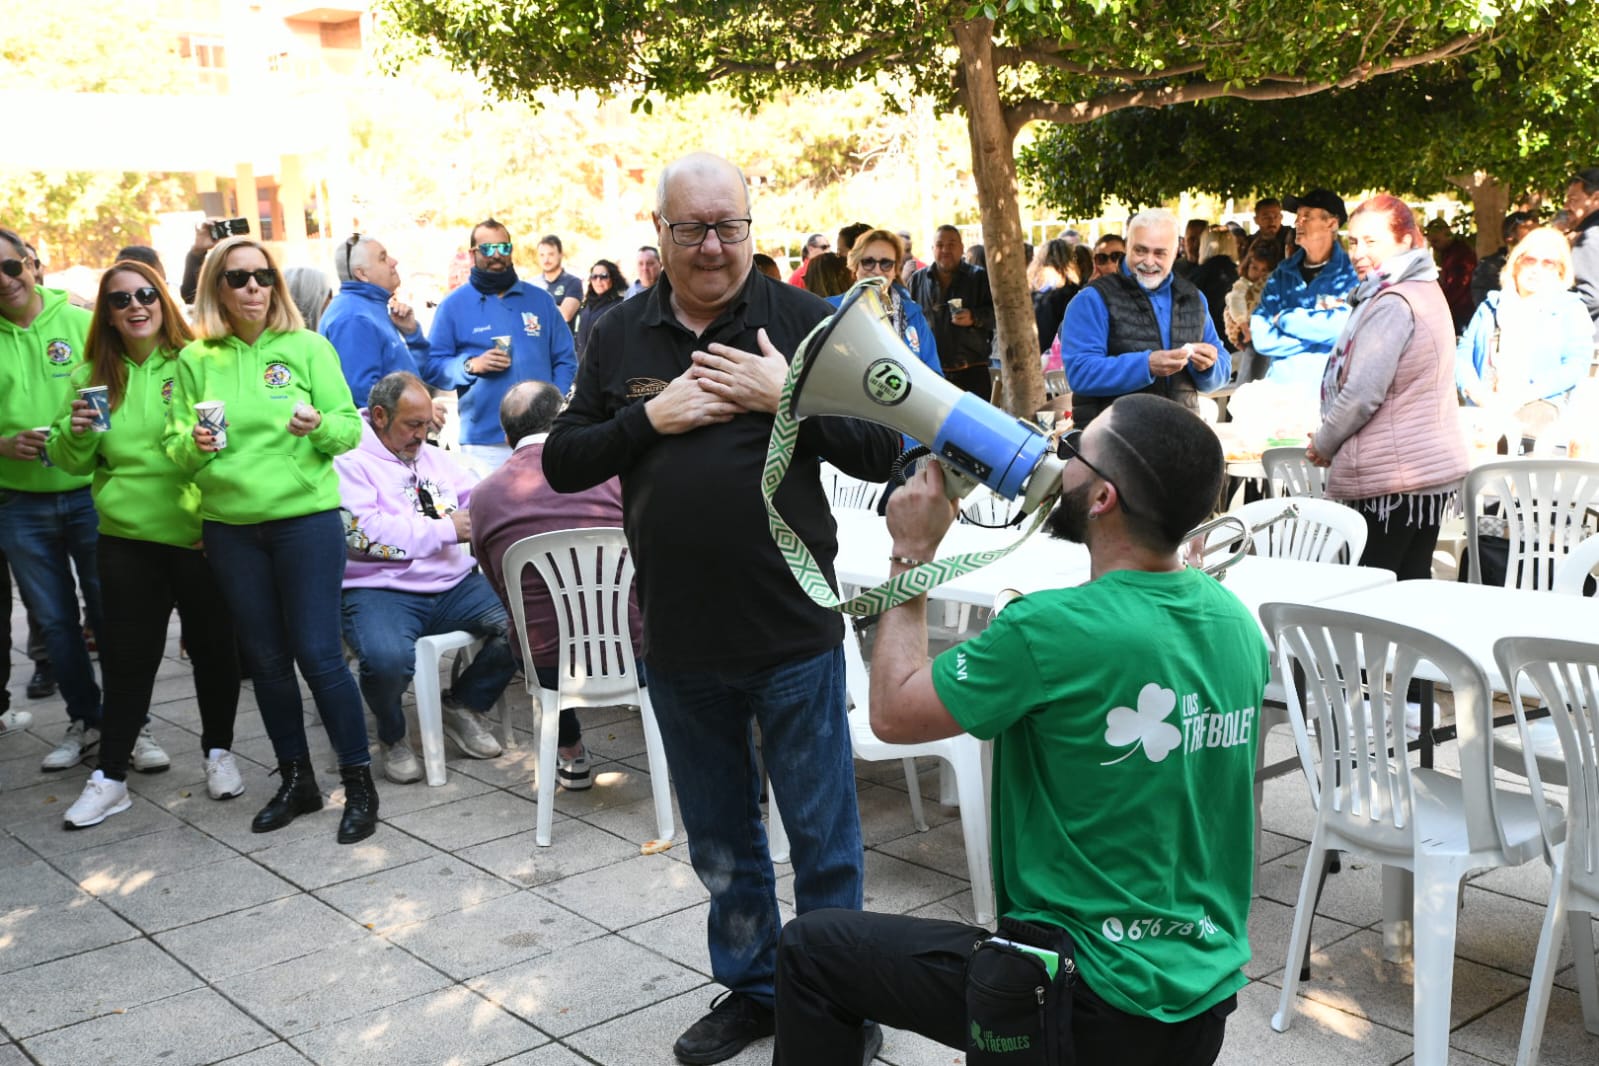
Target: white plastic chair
(1422, 825)
(1543, 506)
(1289, 473)
(1572, 572)
(1055, 383)
(848, 493)
(1324, 531)
(1566, 676)
(430, 651)
(589, 573)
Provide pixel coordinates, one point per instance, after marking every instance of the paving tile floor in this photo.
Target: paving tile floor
(171, 935)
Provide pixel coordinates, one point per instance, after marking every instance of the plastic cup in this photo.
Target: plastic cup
(956, 305)
(44, 456)
(212, 414)
(99, 397)
(1046, 419)
(502, 343)
(303, 410)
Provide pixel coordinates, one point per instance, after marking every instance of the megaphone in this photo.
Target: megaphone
(856, 364)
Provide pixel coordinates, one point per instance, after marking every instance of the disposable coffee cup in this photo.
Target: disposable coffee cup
(1046, 419)
(956, 304)
(502, 343)
(303, 410)
(212, 415)
(99, 397)
(44, 456)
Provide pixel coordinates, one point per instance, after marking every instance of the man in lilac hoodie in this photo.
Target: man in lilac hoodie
(407, 576)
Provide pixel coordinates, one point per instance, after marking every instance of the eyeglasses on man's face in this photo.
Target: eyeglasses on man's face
(693, 234)
(1107, 258)
(491, 249)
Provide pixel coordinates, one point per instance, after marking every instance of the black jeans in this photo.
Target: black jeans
(975, 379)
(836, 969)
(140, 583)
(1399, 544)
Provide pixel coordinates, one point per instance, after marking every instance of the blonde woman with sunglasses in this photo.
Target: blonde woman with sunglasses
(269, 505)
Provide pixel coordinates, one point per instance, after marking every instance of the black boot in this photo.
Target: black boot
(360, 804)
(297, 795)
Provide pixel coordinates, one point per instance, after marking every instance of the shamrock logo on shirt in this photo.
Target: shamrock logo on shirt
(1146, 727)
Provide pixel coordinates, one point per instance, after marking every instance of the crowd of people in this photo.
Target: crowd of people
(261, 462)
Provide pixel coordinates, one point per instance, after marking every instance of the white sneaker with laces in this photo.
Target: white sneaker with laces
(222, 778)
(15, 722)
(101, 798)
(400, 763)
(148, 758)
(573, 773)
(467, 729)
(80, 740)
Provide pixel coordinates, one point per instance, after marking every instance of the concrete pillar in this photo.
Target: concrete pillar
(249, 209)
(291, 198)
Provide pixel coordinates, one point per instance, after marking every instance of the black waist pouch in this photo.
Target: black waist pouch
(1019, 997)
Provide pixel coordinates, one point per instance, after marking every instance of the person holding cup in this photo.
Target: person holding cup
(149, 547)
(269, 507)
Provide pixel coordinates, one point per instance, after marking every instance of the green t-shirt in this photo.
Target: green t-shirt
(1123, 714)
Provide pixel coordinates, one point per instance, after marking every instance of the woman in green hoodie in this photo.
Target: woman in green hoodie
(269, 507)
(148, 554)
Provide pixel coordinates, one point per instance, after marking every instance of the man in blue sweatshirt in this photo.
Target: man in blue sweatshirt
(491, 333)
(374, 334)
(1141, 329)
(1305, 303)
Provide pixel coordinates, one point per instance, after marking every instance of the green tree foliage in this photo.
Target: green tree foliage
(1004, 63)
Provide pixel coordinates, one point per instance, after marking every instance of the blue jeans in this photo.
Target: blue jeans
(281, 579)
(46, 535)
(382, 625)
(705, 721)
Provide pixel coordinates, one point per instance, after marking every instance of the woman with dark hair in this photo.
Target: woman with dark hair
(269, 505)
(148, 557)
(828, 274)
(1049, 306)
(1390, 426)
(606, 288)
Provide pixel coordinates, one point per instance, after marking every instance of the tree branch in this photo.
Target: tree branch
(726, 65)
(1268, 87)
(1050, 57)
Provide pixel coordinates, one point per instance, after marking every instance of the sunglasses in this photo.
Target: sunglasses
(884, 265)
(1102, 258)
(1069, 448)
(12, 267)
(238, 279)
(599, 277)
(349, 250)
(146, 295)
(495, 248)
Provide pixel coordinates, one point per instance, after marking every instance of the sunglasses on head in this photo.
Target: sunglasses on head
(877, 264)
(146, 295)
(12, 267)
(266, 277)
(494, 248)
(349, 250)
(1102, 258)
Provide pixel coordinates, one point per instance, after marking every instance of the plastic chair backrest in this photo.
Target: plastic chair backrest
(1565, 674)
(1572, 572)
(1054, 383)
(1325, 531)
(1543, 504)
(1289, 473)
(986, 507)
(848, 493)
(589, 573)
(1357, 672)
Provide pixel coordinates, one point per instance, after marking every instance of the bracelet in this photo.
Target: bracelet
(907, 561)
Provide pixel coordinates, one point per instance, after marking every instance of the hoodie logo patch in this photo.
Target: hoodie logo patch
(530, 324)
(166, 391)
(59, 351)
(277, 375)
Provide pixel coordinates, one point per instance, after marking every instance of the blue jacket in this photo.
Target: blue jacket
(918, 335)
(370, 346)
(1093, 371)
(1295, 319)
(1558, 362)
(465, 325)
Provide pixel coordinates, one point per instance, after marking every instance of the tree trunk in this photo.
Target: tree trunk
(1490, 202)
(994, 168)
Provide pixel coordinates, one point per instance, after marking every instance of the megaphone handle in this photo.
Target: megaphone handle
(957, 483)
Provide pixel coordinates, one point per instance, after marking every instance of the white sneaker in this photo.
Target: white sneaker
(14, 722)
(101, 798)
(79, 741)
(148, 758)
(400, 763)
(222, 778)
(466, 728)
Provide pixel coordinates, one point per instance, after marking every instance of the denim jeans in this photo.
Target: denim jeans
(705, 721)
(281, 579)
(382, 626)
(46, 536)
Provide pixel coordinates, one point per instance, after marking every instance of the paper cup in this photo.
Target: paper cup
(212, 414)
(503, 343)
(1046, 419)
(44, 457)
(99, 397)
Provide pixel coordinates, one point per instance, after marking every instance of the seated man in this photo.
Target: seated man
(1114, 707)
(516, 502)
(407, 577)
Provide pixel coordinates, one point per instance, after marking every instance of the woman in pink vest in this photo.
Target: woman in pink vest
(1390, 424)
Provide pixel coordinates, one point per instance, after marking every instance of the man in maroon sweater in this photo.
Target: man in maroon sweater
(516, 502)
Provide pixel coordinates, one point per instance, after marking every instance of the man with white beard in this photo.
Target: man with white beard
(1141, 329)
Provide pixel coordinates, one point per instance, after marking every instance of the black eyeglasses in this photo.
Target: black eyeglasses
(349, 250)
(266, 277)
(425, 498)
(494, 248)
(693, 234)
(1068, 448)
(146, 295)
(12, 268)
(884, 265)
(1103, 258)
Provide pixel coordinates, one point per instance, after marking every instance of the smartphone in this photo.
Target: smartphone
(223, 228)
(1050, 959)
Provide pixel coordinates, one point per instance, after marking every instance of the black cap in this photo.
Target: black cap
(1325, 199)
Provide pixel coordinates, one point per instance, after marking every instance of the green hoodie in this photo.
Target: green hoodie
(139, 493)
(36, 367)
(265, 472)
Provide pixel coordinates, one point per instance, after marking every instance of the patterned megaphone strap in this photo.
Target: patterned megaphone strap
(891, 593)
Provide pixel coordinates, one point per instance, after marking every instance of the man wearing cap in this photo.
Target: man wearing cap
(1305, 303)
(1142, 329)
(1456, 261)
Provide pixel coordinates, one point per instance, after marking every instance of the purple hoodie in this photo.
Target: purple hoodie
(391, 541)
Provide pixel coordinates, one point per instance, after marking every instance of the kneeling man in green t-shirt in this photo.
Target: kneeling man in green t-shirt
(1124, 714)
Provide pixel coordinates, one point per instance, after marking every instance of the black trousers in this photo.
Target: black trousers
(140, 583)
(976, 379)
(836, 969)
(1399, 544)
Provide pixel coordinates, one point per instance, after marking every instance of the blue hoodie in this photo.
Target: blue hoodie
(369, 344)
(1093, 371)
(1294, 319)
(465, 326)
